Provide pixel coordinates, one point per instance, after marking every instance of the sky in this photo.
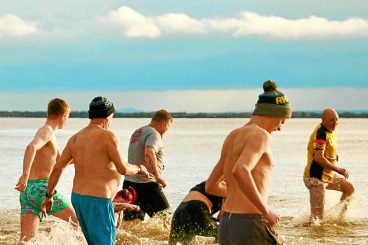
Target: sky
(192, 56)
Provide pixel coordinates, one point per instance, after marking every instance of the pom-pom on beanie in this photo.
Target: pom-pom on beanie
(272, 102)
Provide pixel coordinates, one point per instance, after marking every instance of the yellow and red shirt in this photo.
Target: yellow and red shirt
(321, 139)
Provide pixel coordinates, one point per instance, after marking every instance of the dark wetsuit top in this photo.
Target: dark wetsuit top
(216, 200)
(192, 218)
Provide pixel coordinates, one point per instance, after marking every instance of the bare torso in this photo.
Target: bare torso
(45, 159)
(95, 173)
(236, 143)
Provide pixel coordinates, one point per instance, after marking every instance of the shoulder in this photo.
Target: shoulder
(320, 132)
(110, 134)
(46, 129)
(150, 132)
(258, 134)
(45, 132)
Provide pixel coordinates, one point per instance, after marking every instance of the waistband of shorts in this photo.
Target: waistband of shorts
(90, 197)
(230, 215)
(38, 181)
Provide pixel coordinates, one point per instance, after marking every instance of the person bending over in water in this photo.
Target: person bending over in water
(39, 158)
(124, 199)
(194, 215)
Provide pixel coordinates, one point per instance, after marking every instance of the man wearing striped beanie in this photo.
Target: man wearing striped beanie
(246, 164)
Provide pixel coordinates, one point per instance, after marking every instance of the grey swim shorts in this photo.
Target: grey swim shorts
(245, 229)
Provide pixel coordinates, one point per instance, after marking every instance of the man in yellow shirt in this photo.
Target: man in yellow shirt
(322, 158)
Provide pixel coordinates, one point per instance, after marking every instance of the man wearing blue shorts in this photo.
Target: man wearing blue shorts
(99, 165)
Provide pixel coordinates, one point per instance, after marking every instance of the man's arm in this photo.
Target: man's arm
(151, 161)
(242, 172)
(56, 172)
(124, 168)
(41, 138)
(215, 184)
(319, 157)
(121, 206)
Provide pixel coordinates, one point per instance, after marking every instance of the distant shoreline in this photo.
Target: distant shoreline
(84, 114)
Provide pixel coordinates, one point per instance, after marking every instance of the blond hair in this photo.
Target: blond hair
(162, 116)
(57, 107)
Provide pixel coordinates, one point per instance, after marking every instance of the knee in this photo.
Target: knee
(349, 189)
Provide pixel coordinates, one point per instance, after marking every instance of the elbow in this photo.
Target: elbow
(31, 148)
(235, 172)
(320, 160)
(240, 172)
(123, 172)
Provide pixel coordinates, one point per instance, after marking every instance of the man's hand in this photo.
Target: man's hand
(133, 207)
(161, 181)
(22, 183)
(46, 205)
(143, 171)
(343, 172)
(123, 205)
(272, 218)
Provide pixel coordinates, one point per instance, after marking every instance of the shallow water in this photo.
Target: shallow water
(192, 147)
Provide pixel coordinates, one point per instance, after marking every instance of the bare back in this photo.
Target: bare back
(95, 173)
(248, 148)
(45, 157)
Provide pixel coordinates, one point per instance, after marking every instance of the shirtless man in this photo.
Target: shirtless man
(39, 158)
(98, 168)
(246, 164)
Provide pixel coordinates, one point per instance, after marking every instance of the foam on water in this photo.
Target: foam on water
(291, 229)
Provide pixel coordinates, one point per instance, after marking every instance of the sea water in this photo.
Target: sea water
(192, 148)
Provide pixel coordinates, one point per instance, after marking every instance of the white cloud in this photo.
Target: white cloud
(180, 23)
(12, 25)
(240, 100)
(135, 24)
(312, 27)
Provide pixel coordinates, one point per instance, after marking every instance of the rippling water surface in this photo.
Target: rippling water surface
(192, 147)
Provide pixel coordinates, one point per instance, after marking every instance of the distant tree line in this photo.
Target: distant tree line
(84, 114)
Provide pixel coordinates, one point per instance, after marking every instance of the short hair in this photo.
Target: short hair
(57, 107)
(162, 116)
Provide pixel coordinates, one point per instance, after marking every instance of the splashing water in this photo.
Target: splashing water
(197, 143)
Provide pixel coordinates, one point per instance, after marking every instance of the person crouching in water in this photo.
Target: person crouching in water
(194, 215)
(124, 199)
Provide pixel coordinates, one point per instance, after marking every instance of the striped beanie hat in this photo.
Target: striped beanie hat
(272, 102)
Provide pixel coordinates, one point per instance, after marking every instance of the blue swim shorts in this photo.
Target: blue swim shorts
(96, 218)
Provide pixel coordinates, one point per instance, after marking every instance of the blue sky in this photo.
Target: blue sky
(183, 55)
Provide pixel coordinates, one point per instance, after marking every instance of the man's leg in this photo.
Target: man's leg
(155, 199)
(67, 214)
(28, 227)
(316, 198)
(317, 213)
(347, 190)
